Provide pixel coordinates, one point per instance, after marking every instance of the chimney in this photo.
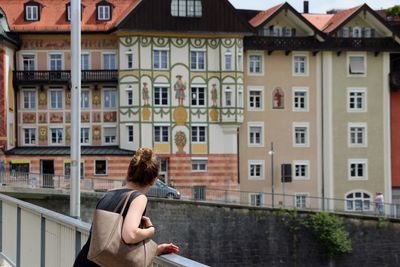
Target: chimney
(305, 7)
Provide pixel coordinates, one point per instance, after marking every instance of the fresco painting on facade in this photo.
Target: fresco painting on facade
(278, 98)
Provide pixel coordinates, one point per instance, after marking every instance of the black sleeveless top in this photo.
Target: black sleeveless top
(108, 202)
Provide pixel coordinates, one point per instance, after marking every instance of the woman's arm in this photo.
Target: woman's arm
(131, 233)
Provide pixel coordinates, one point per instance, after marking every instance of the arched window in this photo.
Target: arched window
(358, 201)
(186, 8)
(357, 32)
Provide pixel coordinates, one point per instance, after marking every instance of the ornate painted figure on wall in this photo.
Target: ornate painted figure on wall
(278, 98)
(179, 88)
(214, 95)
(145, 94)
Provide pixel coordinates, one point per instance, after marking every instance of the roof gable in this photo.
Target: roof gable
(218, 16)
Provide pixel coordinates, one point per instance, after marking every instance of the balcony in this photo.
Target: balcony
(281, 43)
(361, 44)
(63, 77)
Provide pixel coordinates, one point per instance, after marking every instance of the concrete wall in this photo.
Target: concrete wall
(220, 235)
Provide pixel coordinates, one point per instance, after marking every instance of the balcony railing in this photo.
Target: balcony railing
(270, 43)
(63, 76)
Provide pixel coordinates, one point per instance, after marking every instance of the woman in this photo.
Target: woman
(142, 174)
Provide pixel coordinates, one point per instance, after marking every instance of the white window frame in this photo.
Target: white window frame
(199, 161)
(362, 125)
(85, 91)
(30, 107)
(306, 195)
(32, 12)
(29, 129)
(49, 60)
(162, 128)
(160, 62)
(129, 59)
(104, 142)
(197, 66)
(306, 99)
(255, 89)
(130, 133)
(88, 67)
(129, 95)
(357, 161)
(302, 163)
(50, 140)
(240, 97)
(295, 67)
(261, 195)
(89, 140)
(195, 91)
(157, 94)
(362, 199)
(261, 163)
(255, 124)
(103, 61)
(61, 101)
(30, 60)
(249, 65)
(362, 90)
(110, 101)
(228, 97)
(228, 60)
(354, 29)
(94, 167)
(307, 134)
(103, 12)
(197, 139)
(349, 56)
(240, 61)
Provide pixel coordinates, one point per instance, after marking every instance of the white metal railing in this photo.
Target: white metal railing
(33, 236)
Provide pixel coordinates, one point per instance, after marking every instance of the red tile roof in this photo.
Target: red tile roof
(263, 16)
(53, 15)
(318, 20)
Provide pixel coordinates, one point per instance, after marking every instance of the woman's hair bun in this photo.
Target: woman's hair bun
(144, 154)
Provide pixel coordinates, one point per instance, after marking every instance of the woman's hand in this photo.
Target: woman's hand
(146, 222)
(167, 248)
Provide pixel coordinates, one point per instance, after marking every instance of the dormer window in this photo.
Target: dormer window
(104, 11)
(32, 11)
(68, 11)
(186, 8)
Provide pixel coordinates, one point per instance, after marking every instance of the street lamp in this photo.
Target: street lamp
(271, 152)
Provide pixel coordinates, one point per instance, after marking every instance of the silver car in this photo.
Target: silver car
(160, 189)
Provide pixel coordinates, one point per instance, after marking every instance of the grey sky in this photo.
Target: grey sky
(316, 6)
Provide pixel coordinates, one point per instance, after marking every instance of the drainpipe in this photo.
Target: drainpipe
(322, 133)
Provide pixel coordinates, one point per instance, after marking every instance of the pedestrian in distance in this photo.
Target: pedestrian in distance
(379, 204)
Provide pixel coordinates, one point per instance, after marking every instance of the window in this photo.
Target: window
(256, 134)
(103, 12)
(358, 201)
(198, 134)
(160, 59)
(255, 64)
(85, 139)
(345, 32)
(357, 100)
(240, 97)
(240, 62)
(163, 173)
(100, 167)
(300, 99)
(67, 170)
(186, 8)
(57, 136)
(199, 192)
(30, 136)
(110, 135)
(357, 134)
(228, 97)
(56, 99)
(32, 12)
(197, 60)
(28, 62)
(301, 200)
(161, 134)
(85, 62)
(129, 96)
(256, 199)
(358, 169)
(198, 95)
(85, 99)
(110, 98)
(255, 99)
(357, 65)
(129, 59)
(109, 61)
(29, 99)
(129, 130)
(228, 60)
(300, 65)
(160, 96)
(55, 61)
(256, 169)
(300, 135)
(69, 12)
(301, 170)
(199, 165)
(357, 33)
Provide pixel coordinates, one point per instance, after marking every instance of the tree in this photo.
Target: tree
(393, 11)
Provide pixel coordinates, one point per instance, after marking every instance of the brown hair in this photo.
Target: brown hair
(143, 167)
